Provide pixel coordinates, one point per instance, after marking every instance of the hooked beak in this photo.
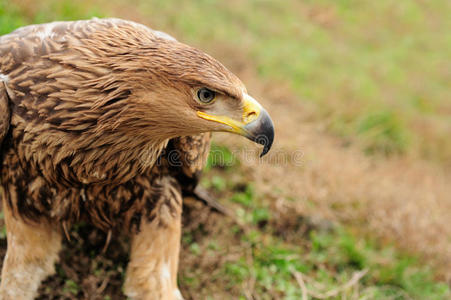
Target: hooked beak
(256, 124)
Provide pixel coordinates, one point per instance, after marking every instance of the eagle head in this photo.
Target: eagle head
(178, 87)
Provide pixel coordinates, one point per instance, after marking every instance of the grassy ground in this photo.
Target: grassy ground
(320, 217)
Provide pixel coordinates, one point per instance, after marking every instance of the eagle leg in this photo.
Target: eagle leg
(152, 270)
(30, 257)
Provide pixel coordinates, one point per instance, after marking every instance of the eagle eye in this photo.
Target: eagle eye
(205, 95)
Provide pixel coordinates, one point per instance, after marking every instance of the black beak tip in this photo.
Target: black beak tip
(265, 150)
(266, 140)
(261, 131)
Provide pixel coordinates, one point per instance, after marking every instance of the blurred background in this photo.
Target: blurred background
(354, 200)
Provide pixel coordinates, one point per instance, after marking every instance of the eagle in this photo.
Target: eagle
(108, 121)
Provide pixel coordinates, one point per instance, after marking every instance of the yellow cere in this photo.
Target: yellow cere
(251, 109)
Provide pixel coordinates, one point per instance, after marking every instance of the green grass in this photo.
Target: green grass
(71, 287)
(331, 262)
(13, 15)
(10, 17)
(221, 157)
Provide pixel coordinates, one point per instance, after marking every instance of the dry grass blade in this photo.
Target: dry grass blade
(66, 231)
(102, 287)
(107, 242)
(332, 293)
(300, 280)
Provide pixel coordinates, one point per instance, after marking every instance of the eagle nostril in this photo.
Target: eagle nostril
(250, 116)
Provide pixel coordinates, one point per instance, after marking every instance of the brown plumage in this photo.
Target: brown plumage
(108, 121)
